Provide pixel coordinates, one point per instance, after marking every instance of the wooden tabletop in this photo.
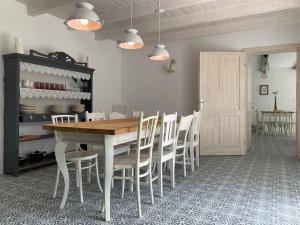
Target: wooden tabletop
(110, 127)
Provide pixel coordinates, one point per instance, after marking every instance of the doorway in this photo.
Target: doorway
(273, 106)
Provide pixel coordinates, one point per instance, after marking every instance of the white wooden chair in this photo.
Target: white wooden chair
(76, 157)
(136, 114)
(142, 159)
(193, 141)
(120, 108)
(181, 140)
(166, 149)
(116, 115)
(94, 116)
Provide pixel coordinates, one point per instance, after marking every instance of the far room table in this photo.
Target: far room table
(107, 132)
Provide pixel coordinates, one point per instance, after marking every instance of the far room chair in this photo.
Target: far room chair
(76, 157)
(181, 140)
(259, 123)
(141, 160)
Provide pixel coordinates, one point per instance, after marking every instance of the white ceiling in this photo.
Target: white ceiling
(283, 60)
(182, 19)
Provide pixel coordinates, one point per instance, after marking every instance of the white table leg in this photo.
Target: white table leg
(61, 162)
(108, 173)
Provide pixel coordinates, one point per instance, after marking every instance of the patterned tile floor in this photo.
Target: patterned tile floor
(261, 188)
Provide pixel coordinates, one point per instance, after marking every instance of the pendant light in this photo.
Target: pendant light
(84, 18)
(159, 52)
(131, 40)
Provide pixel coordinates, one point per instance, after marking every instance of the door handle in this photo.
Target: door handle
(202, 102)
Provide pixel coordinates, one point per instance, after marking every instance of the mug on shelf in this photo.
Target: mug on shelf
(26, 83)
(37, 85)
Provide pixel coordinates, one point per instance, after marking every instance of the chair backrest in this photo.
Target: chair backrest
(60, 119)
(145, 138)
(136, 114)
(196, 123)
(167, 132)
(116, 115)
(120, 108)
(94, 116)
(184, 127)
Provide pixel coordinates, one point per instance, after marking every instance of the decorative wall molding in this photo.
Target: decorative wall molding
(35, 68)
(41, 93)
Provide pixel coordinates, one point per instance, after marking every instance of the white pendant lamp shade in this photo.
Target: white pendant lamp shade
(159, 53)
(131, 40)
(84, 18)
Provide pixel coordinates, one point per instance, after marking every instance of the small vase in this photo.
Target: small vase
(19, 45)
(275, 104)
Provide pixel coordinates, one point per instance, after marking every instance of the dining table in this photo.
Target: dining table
(109, 133)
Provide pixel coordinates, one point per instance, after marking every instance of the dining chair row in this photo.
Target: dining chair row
(111, 116)
(275, 123)
(175, 139)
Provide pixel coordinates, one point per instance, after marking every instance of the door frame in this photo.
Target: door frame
(264, 50)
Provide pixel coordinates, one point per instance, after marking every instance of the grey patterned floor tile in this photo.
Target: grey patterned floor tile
(260, 188)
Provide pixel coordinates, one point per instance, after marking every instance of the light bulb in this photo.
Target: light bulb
(84, 22)
(130, 43)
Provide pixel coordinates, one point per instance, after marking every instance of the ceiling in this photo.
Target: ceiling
(182, 18)
(283, 60)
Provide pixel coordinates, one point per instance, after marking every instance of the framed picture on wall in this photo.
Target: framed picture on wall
(263, 89)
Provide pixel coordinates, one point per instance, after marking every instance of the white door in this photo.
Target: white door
(222, 101)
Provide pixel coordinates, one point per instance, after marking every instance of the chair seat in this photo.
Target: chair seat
(80, 155)
(129, 161)
(166, 151)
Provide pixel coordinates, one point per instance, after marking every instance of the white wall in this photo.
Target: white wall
(147, 86)
(46, 34)
(280, 78)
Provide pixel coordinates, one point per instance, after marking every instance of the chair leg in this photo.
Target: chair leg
(138, 194)
(160, 178)
(97, 175)
(131, 181)
(197, 155)
(80, 180)
(192, 156)
(123, 183)
(77, 176)
(56, 182)
(150, 185)
(89, 171)
(184, 165)
(173, 172)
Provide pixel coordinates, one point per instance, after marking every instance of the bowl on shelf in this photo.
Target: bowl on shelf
(36, 156)
(55, 109)
(27, 109)
(22, 161)
(78, 108)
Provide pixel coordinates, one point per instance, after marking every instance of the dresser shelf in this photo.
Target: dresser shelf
(42, 93)
(20, 65)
